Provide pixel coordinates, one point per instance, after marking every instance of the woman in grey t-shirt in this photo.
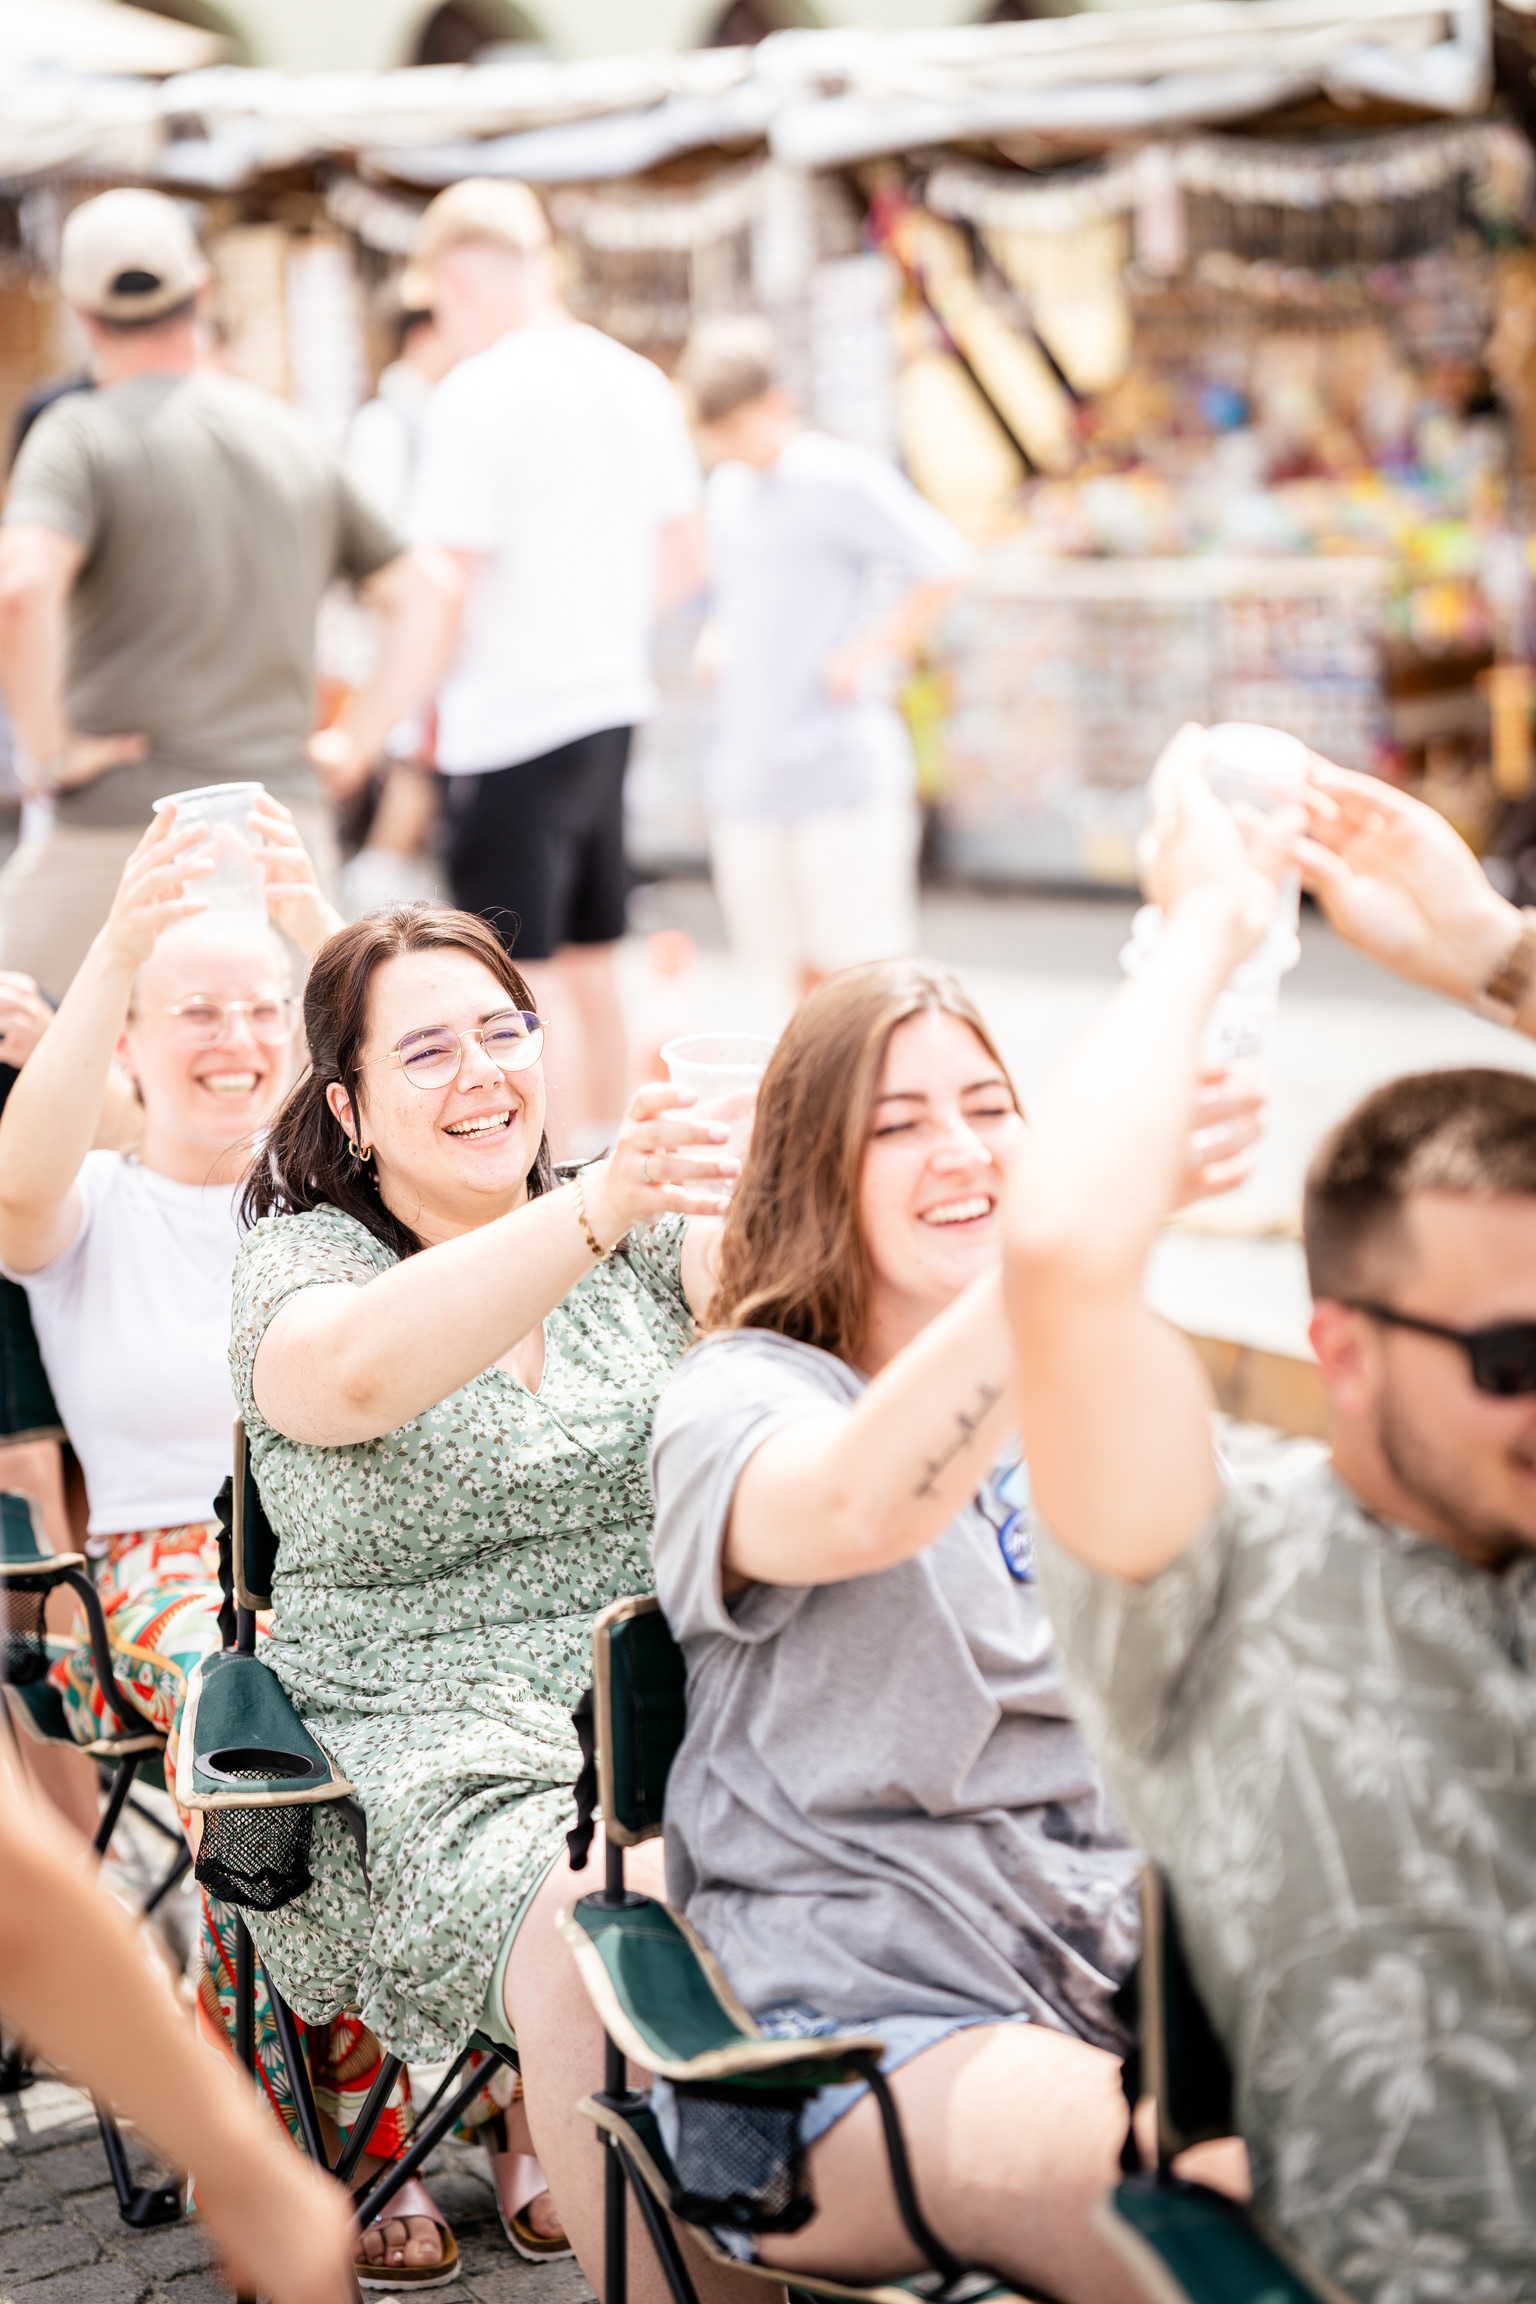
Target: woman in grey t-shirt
(882, 1810)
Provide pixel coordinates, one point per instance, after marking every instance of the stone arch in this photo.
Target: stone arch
(456, 30)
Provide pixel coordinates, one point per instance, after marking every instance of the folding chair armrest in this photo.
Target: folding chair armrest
(662, 1997)
(1185, 2244)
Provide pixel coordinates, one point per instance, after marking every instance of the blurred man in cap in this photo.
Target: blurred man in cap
(164, 548)
(557, 469)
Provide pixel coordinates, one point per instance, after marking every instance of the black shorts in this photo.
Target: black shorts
(538, 850)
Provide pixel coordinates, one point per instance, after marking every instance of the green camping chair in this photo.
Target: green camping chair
(250, 1766)
(666, 2006)
(132, 1750)
(1185, 2243)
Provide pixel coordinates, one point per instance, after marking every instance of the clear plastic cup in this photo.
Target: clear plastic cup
(1248, 766)
(723, 1070)
(237, 885)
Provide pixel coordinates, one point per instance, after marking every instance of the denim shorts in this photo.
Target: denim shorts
(904, 2037)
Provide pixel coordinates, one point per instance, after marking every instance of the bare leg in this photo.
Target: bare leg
(65, 1776)
(561, 2045)
(1014, 2133)
(593, 983)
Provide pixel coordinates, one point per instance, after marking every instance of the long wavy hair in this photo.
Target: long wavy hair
(305, 1162)
(792, 1255)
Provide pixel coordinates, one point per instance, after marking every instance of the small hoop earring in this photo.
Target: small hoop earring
(361, 1157)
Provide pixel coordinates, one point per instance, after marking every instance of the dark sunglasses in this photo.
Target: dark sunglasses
(1503, 1359)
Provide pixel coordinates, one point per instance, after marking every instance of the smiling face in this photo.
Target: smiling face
(449, 1158)
(931, 1181)
(201, 1097)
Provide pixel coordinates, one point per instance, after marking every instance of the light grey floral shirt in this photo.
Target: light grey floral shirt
(1324, 1729)
(433, 1603)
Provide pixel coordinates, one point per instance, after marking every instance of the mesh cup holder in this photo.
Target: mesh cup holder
(21, 1619)
(256, 1858)
(739, 2158)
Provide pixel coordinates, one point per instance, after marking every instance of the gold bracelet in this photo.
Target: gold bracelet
(581, 1217)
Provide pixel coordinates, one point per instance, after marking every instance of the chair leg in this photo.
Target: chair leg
(617, 2096)
(117, 1799)
(368, 2119)
(299, 2084)
(426, 2140)
(140, 2205)
(662, 2237)
(179, 1866)
(245, 1996)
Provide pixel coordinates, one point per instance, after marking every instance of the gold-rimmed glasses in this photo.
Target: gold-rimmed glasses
(513, 1039)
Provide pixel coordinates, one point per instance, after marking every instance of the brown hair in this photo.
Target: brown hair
(725, 364)
(305, 1162)
(1471, 1132)
(792, 1256)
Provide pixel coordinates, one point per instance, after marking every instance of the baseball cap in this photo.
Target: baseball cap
(478, 208)
(129, 255)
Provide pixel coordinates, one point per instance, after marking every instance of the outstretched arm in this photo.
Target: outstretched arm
(54, 1113)
(852, 1490)
(77, 1986)
(339, 1364)
(1394, 879)
(857, 1489)
(1115, 1405)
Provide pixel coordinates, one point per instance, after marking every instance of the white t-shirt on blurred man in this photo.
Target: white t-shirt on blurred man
(560, 455)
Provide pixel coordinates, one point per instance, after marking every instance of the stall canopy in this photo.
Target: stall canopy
(113, 87)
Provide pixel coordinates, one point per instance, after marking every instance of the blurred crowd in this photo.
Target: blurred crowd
(979, 1614)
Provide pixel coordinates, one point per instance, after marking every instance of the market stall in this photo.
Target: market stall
(1214, 325)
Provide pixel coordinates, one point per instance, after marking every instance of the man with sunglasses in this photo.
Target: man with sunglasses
(1311, 1687)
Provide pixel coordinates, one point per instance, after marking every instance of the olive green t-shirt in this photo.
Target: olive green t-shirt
(212, 518)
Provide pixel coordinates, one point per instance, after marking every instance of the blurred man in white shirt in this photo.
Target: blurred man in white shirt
(557, 469)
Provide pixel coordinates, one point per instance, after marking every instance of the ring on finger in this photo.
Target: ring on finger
(645, 1170)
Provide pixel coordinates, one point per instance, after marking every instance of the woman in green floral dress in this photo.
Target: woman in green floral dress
(448, 1362)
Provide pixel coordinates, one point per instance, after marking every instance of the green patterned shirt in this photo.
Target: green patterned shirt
(1324, 1728)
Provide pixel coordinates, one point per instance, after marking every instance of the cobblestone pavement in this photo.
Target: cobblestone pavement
(62, 2241)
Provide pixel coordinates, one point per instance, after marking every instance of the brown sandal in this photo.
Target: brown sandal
(412, 2199)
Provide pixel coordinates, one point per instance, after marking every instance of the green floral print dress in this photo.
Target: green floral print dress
(433, 1607)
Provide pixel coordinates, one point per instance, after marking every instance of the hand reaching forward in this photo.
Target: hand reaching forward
(294, 897)
(1195, 846)
(663, 1161)
(158, 887)
(1394, 879)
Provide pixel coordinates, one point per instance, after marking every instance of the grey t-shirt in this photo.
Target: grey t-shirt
(1324, 1727)
(212, 518)
(798, 554)
(881, 1805)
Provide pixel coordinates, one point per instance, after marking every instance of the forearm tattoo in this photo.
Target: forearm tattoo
(967, 1424)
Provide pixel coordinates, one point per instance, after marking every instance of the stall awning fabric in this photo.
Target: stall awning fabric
(820, 98)
(91, 36)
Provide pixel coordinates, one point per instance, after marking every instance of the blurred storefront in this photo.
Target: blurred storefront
(1217, 328)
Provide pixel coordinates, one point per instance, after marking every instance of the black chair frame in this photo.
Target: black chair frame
(141, 2206)
(629, 1742)
(253, 1559)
